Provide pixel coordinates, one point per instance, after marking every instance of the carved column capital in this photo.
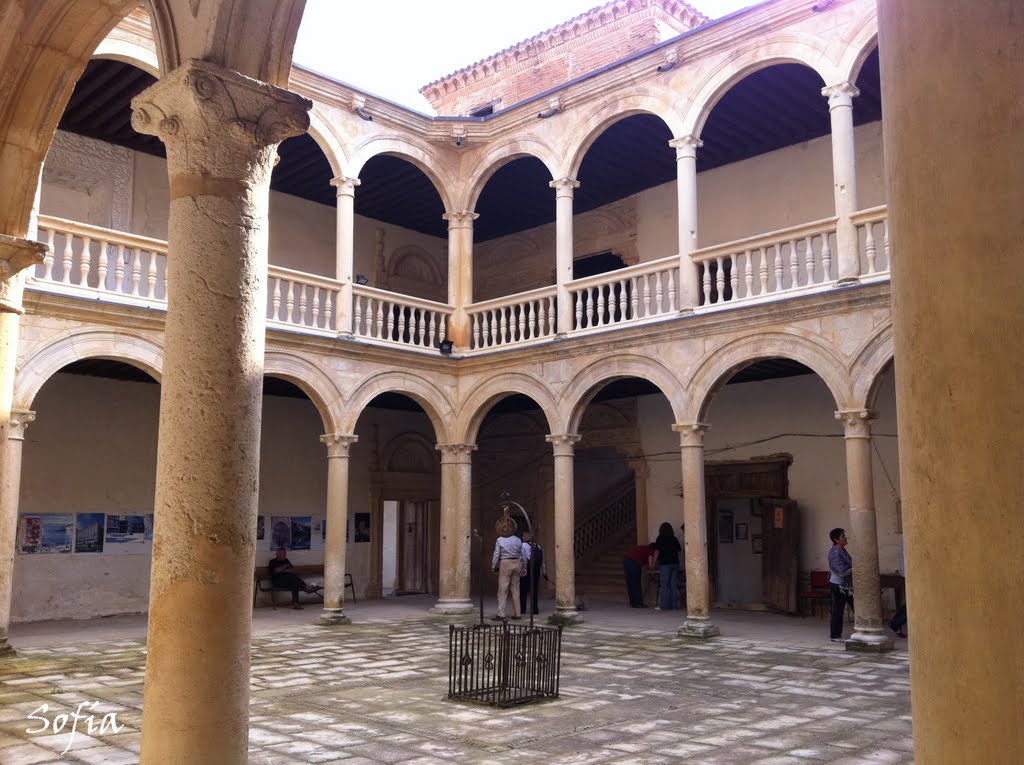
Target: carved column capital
(15, 256)
(338, 444)
(460, 219)
(686, 146)
(345, 185)
(691, 435)
(455, 453)
(857, 422)
(563, 444)
(221, 129)
(20, 419)
(840, 94)
(564, 186)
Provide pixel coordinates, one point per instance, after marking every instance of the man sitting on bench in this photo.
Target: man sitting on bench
(282, 575)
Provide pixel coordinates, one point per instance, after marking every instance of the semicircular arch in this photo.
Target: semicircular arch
(421, 390)
(423, 158)
(499, 156)
(870, 366)
(580, 391)
(115, 345)
(719, 366)
(310, 379)
(322, 131)
(481, 399)
(858, 45)
(613, 110)
(781, 49)
(135, 53)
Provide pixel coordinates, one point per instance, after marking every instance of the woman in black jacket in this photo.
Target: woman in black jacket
(668, 559)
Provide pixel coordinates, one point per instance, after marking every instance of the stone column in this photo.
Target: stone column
(337, 524)
(564, 446)
(460, 275)
(10, 489)
(686, 198)
(868, 634)
(563, 251)
(456, 552)
(641, 472)
(698, 591)
(956, 195)
(221, 131)
(374, 584)
(345, 248)
(844, 177)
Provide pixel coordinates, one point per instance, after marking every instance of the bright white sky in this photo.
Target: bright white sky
(392, 48)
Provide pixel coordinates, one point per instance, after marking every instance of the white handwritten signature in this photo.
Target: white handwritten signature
(61, 721)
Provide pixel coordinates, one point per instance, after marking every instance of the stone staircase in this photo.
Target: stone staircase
(600, 577)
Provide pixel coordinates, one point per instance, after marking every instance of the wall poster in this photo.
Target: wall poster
(45, 533)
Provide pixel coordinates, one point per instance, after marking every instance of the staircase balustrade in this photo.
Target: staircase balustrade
(607, 523)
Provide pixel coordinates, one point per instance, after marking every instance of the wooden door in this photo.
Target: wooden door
(412, 548)
(780, 529)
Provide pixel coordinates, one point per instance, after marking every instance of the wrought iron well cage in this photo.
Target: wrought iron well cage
(503, 665)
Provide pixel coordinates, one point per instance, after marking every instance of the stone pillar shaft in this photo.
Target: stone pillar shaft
(456, 532)
(10, 489)
(686, 198)
(844, 175)
(221, 131)
(868, 634)
(563, 250)
(698, 592)
(345, 249)
(565, 528)
(460, 275)
(337, 524)
(958, 325)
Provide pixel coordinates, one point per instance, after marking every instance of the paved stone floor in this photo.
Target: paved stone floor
(771, 690)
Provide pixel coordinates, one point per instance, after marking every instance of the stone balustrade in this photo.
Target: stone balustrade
(514, 320)
(297, 300)
(391, 319)
(873, 243)
(626, 296)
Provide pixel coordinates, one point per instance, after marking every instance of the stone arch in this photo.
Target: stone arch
(580, 391)
(615, 109)
(478, 403)
(870, 366)
(116, 345)
(409, 453)
(129, 49)
(780, 49)
(421, 390)
(716, 369)
(411, 270)
(321, 130)
(858, 45)
(502, 154)
(311, 379)
(425, 159)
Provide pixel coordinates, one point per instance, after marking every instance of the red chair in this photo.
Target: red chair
(818, 593)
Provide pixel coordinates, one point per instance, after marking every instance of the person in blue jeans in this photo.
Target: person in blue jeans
(668, 548)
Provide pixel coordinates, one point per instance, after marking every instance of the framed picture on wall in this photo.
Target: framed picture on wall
(741, 532)
(725, 526)
(756, 544)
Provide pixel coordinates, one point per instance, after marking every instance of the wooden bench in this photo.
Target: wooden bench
(262, 582)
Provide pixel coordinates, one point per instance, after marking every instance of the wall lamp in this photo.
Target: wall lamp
(361, 279)
(446, 347)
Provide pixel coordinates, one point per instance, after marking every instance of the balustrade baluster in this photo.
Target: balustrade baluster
(421, 325)
(623, 302)
(869, 246)
(552, 315)
(48, 257)
(531, 321)
(357, 316)
(634, 298)
(390, 313)
(809, 260)
(794, 265)
(442, 328)
(67, 256)
(602, 318)
(301, 318)
(647, 295)
(778, 267)
(289, 303)
(670, 277)
(315, 310)
(826, 258)
(151, 275)
(476, 330)
(762, 271)
(707, 282)
(734, 276)
(492, 325)
(720, 278)
(119, 269)
(522, 321)
(136, 277)
(432, 317)
(748, 273)
(102, 265)
(85, 261)
(659, 292)
(579, 307)
(503, 312)
(379, 324)
(330, 296)
(885, 243)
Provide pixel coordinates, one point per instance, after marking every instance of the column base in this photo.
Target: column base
(870, 641)
(565, 617)
(332, 617)
(454, 607)
(6, 649)
(698, 629)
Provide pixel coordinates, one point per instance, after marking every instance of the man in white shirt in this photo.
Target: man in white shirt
(508, 551)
